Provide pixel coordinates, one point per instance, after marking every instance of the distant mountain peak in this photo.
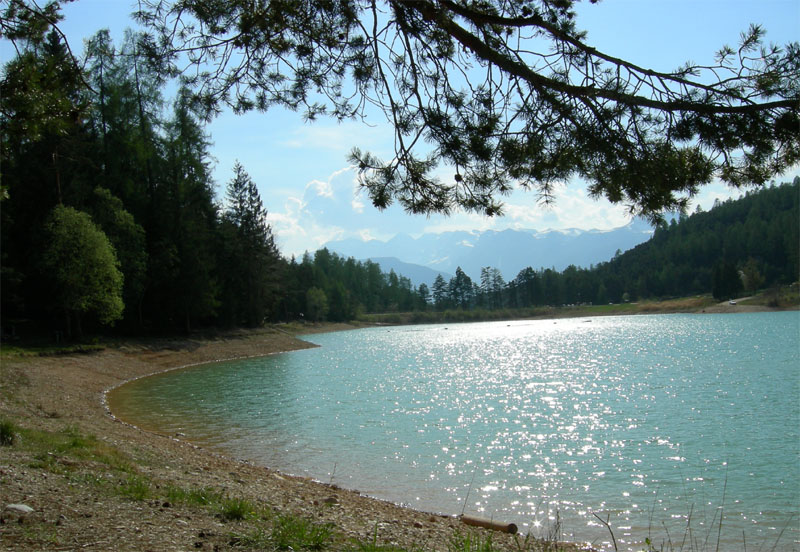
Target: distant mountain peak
(509, 250)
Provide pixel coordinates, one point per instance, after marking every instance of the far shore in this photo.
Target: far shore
(701, 304)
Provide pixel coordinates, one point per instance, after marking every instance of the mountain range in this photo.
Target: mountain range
(420, 259)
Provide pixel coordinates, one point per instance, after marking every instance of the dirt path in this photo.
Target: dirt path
(734, 306)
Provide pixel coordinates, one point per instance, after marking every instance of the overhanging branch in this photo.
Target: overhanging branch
(431, 13)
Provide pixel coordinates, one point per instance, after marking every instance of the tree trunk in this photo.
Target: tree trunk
(68, 323)
(78, 328)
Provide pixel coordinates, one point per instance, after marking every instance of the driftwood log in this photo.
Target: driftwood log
(489, 524)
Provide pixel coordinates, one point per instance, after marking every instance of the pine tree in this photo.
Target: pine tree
(460, 289)
(182, 258)
(252, 258)
(424, 296)
(507, 93)
(439, 290)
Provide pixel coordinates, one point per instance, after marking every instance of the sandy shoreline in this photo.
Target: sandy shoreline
(76, 502)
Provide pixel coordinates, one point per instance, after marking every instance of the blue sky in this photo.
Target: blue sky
(302, 172)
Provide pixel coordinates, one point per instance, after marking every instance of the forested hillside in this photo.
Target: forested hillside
(739, 245)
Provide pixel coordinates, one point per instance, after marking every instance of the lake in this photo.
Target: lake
(662, 424)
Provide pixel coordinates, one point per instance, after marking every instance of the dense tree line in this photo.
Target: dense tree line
(326, 286)
(739, 245)
(109, 213)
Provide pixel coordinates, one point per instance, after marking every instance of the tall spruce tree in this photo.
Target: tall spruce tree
(182, 258)
(460, 289)
(439, 292)
(252, 260)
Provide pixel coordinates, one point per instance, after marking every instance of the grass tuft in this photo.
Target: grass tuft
(8, 433)
(136, 488)
(194, 497)
(236, 509)
(470, 542)
(64, 450)
(258, 539)
(294, 532)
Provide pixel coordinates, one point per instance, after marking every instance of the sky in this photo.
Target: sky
(311, 194)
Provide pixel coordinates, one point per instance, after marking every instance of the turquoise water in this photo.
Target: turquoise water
(660, 424)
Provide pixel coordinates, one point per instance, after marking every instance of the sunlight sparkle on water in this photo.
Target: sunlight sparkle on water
(565, 419)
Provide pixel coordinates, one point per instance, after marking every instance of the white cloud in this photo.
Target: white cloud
(287, 227)
(297, 232)
(572, 208)
(357, 205)
(339, 138)
(357, 202)
(331, 186)
(366, 235)
(297, 229)
(320, 216)
(338, 173)
(320, 188)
